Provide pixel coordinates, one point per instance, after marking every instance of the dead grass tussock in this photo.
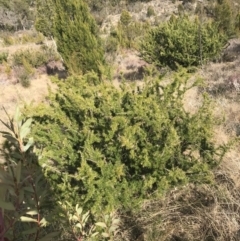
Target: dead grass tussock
(203, 212)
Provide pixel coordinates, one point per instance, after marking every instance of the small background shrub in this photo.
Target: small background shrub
(225, 16)
(111, 44)
(127, 36)
(7, 40)
(24, 77)
(181, 41)
(125, 18)
(150, 11)
(24, 37)
(35, 58)
(3, 57)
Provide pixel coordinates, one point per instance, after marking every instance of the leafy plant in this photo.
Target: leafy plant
(110, 225)
(111, 44)
(8, 40)
(7, 69)
(181, 41)
(80, 225)
(22, 189)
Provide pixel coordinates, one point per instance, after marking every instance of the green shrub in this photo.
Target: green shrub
(129, 36)
(24, 78)
(76, 36)
(35, 58)
(8, 40)
(150, 11)
(31, 37)
(105, 147)
(28, 205)
(111, 44)
(125, 18)
(25, 73)
(7, 69)
(225, 17)
(44, 17)
(181, 41)
(3, 57)
(25, 37)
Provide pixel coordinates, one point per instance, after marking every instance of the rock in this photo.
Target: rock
(56, 68)
(232, 51)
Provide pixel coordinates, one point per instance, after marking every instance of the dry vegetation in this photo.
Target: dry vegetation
(199, 212)
(12, 93)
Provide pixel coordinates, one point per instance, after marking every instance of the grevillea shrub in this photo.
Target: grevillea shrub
(105, 147)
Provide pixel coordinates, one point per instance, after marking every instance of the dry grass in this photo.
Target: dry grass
(202, 212)
(12, 96)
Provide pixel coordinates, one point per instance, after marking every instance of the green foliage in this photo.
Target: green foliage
(32, 37)
(76, 35)
(238, 22)
(181, 41)
(8, 40)
(225, 17)
(83, 226)
(23, 190)
(25, 73)
(23, 38)
(3, 57)
(24, 78)
(27, 208)
(111, 44)
(35, 58)
(44, 17)
(125, 18)
(127, 36)
(105, 147)
(150, 11)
